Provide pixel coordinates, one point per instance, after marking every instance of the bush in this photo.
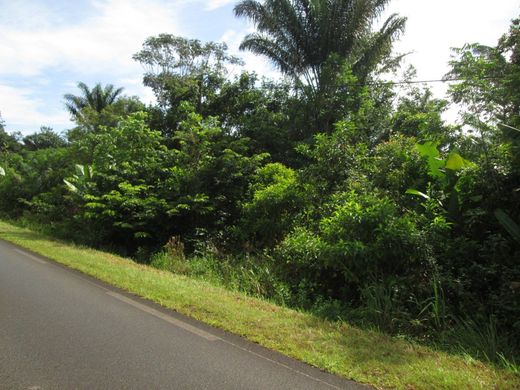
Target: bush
(276, 197)
(360, 238)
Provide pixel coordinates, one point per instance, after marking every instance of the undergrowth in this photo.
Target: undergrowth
(475, 338)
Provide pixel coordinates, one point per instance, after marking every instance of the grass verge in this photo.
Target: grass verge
(364, 356)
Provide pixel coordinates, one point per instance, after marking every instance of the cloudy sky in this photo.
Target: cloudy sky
(47, 46)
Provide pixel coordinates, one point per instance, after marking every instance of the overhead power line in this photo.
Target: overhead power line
(426, 81)
(509, 127)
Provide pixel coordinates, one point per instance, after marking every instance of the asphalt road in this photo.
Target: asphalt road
(60, 329)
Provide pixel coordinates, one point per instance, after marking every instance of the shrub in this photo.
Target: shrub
(276, 197)
(359, 238)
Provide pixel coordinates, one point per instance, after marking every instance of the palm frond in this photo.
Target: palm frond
(300, 36)
(96, 98)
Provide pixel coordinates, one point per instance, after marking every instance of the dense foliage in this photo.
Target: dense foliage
(374, 210)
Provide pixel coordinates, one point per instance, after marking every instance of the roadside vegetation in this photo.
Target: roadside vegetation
(367, 356)
(330, 191)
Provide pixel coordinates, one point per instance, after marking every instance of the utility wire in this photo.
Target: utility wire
(424, 81)
(509, 127)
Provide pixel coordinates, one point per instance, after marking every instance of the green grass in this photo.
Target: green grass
(365, 356)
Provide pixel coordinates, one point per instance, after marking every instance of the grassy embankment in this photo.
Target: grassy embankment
(365, 356)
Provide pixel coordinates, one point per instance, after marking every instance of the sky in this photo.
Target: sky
(47, 47)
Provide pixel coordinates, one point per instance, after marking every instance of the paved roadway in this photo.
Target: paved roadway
(60, 329)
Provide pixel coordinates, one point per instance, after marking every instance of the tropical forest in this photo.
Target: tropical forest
(337, 189)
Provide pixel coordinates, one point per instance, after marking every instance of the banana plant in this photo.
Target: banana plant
(508, 224)
(445, 171)
(79, 182)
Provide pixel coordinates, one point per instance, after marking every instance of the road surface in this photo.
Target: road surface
(60, 329)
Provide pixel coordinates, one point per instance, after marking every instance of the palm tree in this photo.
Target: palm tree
(96, 98)
(301, 37)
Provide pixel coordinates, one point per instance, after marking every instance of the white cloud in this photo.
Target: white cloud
(103, 42)
(135, 87)
(27, 15)
(434, 27)
(98, 47)
(214, 4)
(20, 109)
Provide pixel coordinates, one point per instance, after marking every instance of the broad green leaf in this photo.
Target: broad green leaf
(411, 191)
(507, 223)
(435, 163)
(124, 225)
(428, 149)
(455, 162)
(80, 170)
(70, 186)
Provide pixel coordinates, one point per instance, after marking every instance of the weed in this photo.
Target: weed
(171, 257)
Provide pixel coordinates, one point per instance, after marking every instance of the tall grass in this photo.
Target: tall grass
(482, 339)
(253, 276)
(380, 306)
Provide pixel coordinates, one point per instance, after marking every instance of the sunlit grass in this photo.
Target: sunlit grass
(365, 356)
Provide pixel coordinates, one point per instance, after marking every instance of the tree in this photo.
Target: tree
(91, 120)
(8, 142)
(44, 139)
(180, 69)
(168, 54)
(490, 87)
(99, 106)
(97, 98)
(306, 38)
(418, 114)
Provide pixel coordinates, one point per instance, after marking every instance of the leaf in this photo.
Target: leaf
(507, 223)
(2, 171)
(70, 186)
(411, 191)
(428, 149)
(455, 162)
(435, 163)
(80, 170)
(124, 225)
